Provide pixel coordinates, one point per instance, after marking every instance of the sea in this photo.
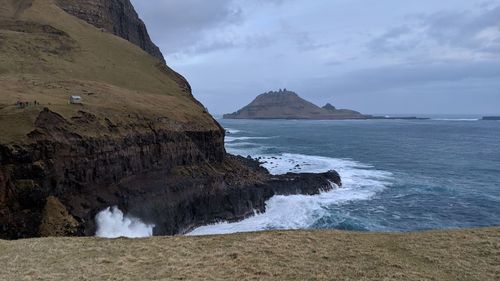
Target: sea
(398, 175)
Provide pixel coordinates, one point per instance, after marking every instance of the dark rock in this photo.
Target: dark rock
(491, 118)
(203, 200)
(176, 180)
(288, 105)
(329, 107)
(55, 179)
(116, 16)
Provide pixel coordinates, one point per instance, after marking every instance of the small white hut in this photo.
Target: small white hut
(75, 100)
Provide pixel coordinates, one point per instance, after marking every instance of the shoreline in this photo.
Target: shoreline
(333, 119)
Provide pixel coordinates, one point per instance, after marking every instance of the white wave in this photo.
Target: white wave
(288, 162)
(232, 139)
(242, 144)
(244, 148)
(232, 131)
(457, 119)
(112, 223)
(360, 182)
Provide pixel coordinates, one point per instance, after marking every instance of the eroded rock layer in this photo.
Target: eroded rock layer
(138, 140)
(176, 180)
(116, 16)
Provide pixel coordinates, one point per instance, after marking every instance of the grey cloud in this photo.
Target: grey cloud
(247, 42)
(406, 76)
(185, 27)
(392, 40)
(301, 39)
(176, 25)
(210, 46)
(451, 29)
(461, 28)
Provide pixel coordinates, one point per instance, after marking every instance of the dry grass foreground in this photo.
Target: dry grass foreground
(292, 255)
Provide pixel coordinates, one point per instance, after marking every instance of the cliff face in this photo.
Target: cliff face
(61, 163)
(139, 140)
(116, 16)
(288, 105)
(176, 180)
(82, 172)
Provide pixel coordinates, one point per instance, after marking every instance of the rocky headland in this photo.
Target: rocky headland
(284, 104)
(139, 140)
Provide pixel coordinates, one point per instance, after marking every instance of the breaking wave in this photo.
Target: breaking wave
(458, 119)
(232, 139)
(360, 182)
(232, 131)
(112, 223)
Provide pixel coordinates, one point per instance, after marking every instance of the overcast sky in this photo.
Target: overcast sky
(375, 56)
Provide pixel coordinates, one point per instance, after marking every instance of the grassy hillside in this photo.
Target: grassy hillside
(47, 55)
(294, 255)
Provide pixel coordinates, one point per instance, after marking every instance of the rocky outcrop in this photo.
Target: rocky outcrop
(329, 107)
(234, 193)
(116, 16)
(285, 104)
(60, 162)
(139, 141)
(56, 221)
(175, 179)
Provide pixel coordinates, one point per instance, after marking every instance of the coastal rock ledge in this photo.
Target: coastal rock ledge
(138, 139)
(177, 181)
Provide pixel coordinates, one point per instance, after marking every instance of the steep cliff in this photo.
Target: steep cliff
(116, 16)
(139, 140)
(176, 180)
(288, 105)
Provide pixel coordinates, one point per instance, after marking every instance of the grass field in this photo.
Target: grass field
(292, 255)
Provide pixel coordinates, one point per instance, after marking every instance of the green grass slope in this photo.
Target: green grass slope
(47, 55)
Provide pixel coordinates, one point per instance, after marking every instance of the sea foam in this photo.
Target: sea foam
(456, 119)
(112, 223)
(232, 139)
(232, 131)
(360, 182)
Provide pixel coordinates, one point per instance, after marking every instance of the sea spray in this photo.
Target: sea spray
(232, 131)
(360, 182)
(112, 223)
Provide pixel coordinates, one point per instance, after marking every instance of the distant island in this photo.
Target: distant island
(284, 104)
(491, 118)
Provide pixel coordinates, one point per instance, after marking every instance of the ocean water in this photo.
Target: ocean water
(397, 175)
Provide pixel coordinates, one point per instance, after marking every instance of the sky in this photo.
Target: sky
(374, 56)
